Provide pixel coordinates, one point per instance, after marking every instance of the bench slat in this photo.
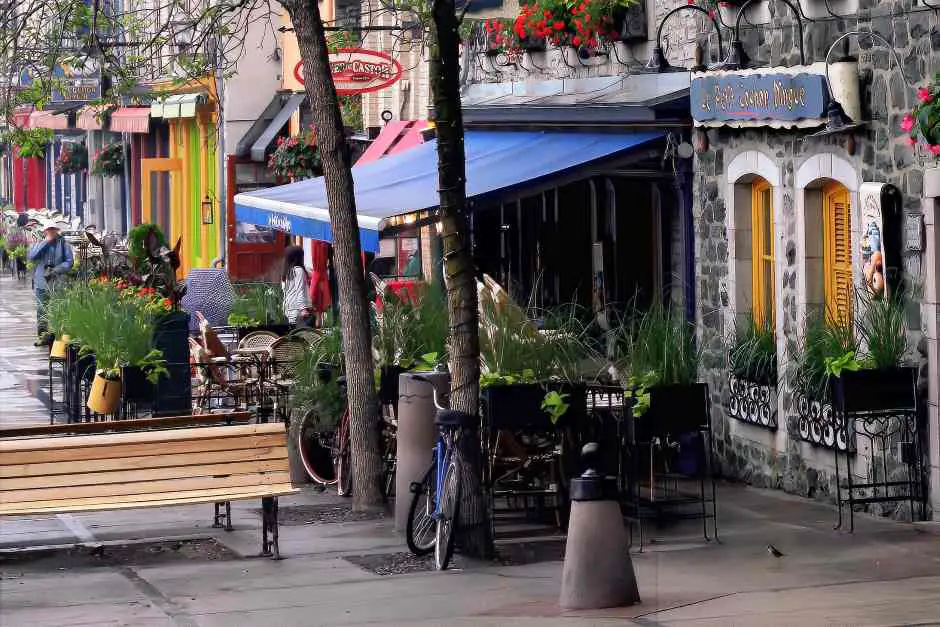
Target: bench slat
(130, 502)
(158, 487)
(140, 449)
(166, 422)
(136, 474)
(249, 453)
(119, 439)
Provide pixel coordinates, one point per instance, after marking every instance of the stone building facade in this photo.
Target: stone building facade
(797, 166)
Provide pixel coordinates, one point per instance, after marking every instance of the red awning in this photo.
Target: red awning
(21, 116)
(395, 137)
(91, 118)
(131, 120)
(48, 119)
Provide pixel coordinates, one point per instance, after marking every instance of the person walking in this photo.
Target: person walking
(295, 282)
(52, 258)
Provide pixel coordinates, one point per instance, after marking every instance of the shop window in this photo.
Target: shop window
(762, 253)
(837, 249)
(399, 256)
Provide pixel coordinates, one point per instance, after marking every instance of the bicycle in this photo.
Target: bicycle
(436, 500)
(325, 450)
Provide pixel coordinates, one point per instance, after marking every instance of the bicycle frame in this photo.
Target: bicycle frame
(443, 450)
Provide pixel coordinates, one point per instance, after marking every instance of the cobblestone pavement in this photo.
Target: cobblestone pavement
(24, 384)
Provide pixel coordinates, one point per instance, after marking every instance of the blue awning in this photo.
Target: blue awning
(497, 161)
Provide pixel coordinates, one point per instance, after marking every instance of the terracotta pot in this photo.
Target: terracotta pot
(932, 182)
(105, 395)
(59, 347)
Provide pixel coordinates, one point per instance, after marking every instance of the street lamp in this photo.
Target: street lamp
(207, 210)
(737, 58)
(658, 62)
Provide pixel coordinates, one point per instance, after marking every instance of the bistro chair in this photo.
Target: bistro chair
(285, 355)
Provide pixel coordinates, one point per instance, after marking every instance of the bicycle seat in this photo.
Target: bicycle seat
(454, 418)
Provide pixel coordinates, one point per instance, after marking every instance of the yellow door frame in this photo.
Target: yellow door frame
(173, 167)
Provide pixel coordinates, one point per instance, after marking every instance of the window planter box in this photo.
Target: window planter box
(173, 393)
(519, 406)
(753, 403)
(867, 391)
(137, 389)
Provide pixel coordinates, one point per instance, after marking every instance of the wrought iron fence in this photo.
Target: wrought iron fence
(753, 403)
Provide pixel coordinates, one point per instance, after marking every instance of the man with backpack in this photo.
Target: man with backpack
(52, 258)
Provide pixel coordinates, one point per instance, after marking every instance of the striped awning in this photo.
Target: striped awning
(49, 119)
(92, 118)
(131, 120)
(177, 106)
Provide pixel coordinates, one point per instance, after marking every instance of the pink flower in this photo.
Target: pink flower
(935, 150)
(923, 94)
(910, 141)
(907, 124)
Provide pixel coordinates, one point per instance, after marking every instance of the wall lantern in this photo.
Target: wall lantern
(658, 62)
(208, 205)
(737, 58)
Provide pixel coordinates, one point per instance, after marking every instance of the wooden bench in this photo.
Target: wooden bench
(129, 468)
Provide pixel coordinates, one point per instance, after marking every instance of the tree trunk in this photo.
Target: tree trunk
(347, 253)
(474, 532)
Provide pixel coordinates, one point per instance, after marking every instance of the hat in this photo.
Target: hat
(50, 224)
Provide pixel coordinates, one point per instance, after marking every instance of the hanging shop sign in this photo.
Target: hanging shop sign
(777, 97)
(358, 71)
(76, 83)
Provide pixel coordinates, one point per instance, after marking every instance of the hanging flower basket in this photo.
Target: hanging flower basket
(922, 125)
(109, 161)
(588, 23)
(73, 158)
(296, 157)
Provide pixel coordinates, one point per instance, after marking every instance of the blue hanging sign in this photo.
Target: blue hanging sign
(726, 98)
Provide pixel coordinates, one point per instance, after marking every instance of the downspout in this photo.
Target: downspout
(127, 218)
(220, 171)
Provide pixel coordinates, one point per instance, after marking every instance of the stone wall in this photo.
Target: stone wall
(782, 460)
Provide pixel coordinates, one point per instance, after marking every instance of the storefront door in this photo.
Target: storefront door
(160, 196)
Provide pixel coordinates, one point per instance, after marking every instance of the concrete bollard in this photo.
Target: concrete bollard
(415, 437)
(598, 571)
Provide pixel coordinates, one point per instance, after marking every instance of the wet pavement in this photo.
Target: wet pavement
(24, 368)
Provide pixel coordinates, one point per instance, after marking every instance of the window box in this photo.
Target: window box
(866, 391)
(818, 424)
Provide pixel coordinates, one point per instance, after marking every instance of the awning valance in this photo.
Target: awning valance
(497, 161)
(131, 120)
(177, 106)
(49, 119)
(91, 118)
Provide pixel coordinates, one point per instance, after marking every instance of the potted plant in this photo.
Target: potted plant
(585, 23)
(752, 362)
(109, 160)
(296, 157)
(411, 328)
(922, 125)
(256, 307)
(876, 377)
(660, 357)
(73, 158)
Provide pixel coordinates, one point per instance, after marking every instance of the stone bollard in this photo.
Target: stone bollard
(416, 435)
(598, 571)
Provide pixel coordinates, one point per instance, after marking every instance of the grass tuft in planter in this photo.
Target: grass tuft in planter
(752, 352)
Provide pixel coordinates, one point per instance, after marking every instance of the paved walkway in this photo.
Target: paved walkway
(885, 574)
(24, 385)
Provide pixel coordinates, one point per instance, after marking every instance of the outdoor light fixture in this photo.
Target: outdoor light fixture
(658, 62)
(737, 58)
(207, 210)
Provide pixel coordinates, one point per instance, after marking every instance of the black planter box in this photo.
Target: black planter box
(388, 384)
(875, 390)
(78, 370)
(674, 409)
(173, 393)
(519, 406)
(135, 388)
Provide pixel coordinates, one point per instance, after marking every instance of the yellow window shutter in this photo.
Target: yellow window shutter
(762, 253)
(838, 253)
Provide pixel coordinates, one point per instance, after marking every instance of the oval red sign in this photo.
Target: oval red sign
(357, 71)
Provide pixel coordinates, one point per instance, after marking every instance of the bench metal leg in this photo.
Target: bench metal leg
(219, 516)
(269, 525)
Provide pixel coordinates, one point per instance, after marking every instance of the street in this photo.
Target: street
(168, 566)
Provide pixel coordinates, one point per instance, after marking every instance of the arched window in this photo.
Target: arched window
(762, 253)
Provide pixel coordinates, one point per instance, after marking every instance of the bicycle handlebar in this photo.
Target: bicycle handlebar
(437, 404)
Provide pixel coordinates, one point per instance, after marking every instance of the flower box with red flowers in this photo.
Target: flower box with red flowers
(109, 161)
(922, 126)
(572, 22)
(73, 158)
(296, 157)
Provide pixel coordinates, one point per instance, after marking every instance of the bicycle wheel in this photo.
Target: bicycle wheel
(447, 516)
(420, 531)
(315, 447)
(342, 457)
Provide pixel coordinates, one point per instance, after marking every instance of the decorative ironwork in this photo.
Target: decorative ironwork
(820, 425)
(753, 403)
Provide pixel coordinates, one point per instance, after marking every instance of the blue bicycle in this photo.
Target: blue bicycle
(435, 505)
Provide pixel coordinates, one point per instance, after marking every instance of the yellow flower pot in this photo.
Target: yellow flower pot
(105, 395)
(59, 347)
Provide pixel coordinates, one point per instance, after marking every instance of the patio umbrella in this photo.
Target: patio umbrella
(209, 291)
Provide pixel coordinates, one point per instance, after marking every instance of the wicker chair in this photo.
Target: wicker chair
(258, 339)
(308, 335)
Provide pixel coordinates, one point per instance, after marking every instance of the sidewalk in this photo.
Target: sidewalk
(887, 573)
